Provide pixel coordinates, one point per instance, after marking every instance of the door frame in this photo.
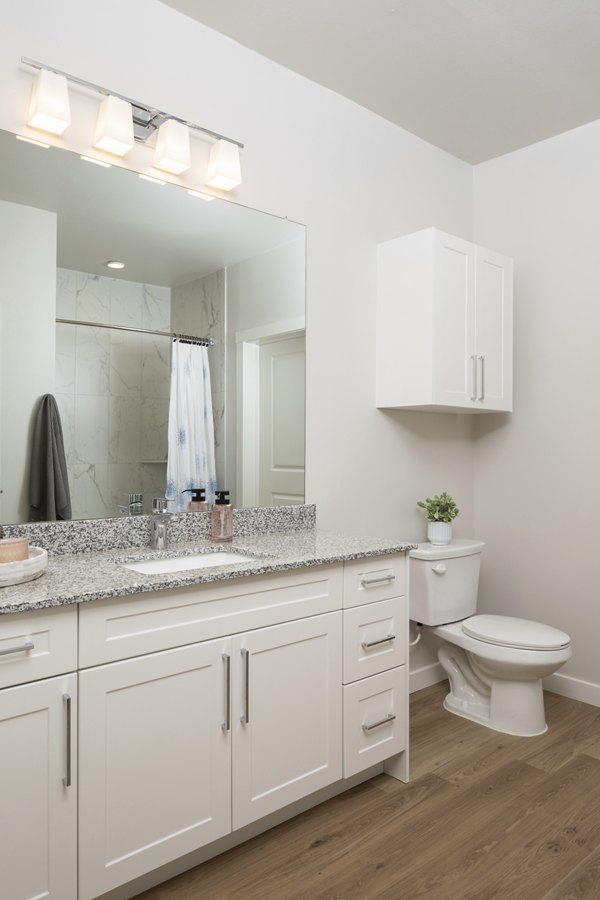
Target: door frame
(248, 345)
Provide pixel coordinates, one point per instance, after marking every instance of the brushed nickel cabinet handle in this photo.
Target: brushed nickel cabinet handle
(245, 717)
(22, 648)
(227, 723)
(379, 579)
(388, 718)
(67, 778)
(366, 644)
(481, 364)
(473, 394)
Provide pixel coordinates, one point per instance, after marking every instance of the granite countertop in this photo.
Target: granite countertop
(80, 577)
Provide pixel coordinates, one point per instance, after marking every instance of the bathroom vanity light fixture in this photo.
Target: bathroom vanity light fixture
(172, 153)
(123, 122)
(49, 109)
(114, 128)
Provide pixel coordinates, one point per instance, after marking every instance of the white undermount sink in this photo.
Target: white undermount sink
(182, 563)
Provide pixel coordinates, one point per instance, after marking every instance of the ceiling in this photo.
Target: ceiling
(478, 78)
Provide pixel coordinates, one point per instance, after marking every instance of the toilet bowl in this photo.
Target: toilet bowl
(495, 664)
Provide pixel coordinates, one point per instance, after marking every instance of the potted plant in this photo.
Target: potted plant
(439, 513)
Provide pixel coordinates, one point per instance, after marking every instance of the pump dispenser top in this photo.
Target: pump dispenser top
(198, 502)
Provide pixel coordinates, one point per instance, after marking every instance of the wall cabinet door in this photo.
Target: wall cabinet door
(287, 714)
(38, 825)
(444, 325)
(155, 762)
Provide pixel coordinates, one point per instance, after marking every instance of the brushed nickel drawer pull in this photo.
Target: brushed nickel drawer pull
(389, 718)
(366, 644)
(23, 648)
(67, 778)
(227, 723)
(380, 579)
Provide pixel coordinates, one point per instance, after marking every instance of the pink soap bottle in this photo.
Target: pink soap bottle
(221, 518)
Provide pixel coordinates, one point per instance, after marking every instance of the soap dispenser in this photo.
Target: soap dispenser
(221, 518)
(198, 502)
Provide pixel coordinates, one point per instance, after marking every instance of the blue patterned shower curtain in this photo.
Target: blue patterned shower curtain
(191, 457)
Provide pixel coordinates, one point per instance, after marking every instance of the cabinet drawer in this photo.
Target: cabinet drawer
(37, 644)
(375, 720)
(123, 627)
(374, 578)
(374, 638)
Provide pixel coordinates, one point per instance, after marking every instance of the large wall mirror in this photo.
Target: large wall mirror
(208, 269)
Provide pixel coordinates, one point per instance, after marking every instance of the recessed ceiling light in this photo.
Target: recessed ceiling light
(115, 264)
(96, 162)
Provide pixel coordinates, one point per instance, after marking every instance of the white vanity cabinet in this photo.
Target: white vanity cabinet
(38, 750)
(444, 325)
(180, 746)
(196, 711)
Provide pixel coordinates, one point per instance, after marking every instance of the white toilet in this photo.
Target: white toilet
(495, 664)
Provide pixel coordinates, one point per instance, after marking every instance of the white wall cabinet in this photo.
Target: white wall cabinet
(444, 325)
(38, 790)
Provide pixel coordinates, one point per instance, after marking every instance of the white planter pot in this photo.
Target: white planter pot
(439, 532)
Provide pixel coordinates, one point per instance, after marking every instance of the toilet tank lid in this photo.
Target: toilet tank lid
(508, 631)
(447, 551)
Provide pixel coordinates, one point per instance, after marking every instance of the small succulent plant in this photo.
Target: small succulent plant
(440, 508)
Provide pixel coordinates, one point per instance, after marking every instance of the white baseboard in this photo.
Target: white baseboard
(425, 676)
(575, 688)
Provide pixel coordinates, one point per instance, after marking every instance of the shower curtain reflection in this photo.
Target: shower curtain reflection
(191, 442)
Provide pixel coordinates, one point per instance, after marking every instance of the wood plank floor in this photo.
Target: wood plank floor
(485, 816)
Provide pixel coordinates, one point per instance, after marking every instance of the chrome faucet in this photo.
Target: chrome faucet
(160, 522)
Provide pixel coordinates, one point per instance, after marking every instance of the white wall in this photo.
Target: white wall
(27, 308)
(537, 481)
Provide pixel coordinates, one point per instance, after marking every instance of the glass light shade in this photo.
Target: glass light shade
(49, 109)
(172, 153)
(224, 166)
(114, 128)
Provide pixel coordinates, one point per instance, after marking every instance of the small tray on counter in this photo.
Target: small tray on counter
(23, 570)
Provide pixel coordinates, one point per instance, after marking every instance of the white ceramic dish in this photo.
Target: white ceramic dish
(24, 569)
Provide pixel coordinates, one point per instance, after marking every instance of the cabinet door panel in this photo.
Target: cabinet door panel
(38, 825)
(287, 719)
(493, 329)
(453, 320)
(154, 762)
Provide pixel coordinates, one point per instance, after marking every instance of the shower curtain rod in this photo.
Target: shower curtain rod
(184, 338)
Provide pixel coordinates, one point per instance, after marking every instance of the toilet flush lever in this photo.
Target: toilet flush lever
(440, 569)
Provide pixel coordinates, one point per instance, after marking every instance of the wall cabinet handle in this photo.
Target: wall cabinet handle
(67, 778)
(367, 581)
(389, 718)
(245, 717)
(366, 644)
(480, 377)
(22, 648)
(226, 726)
(473, 394)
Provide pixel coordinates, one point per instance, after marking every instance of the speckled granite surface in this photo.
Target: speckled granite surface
(84, 535)
(80, 577)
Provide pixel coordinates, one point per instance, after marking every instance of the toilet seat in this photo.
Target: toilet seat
(508, 631)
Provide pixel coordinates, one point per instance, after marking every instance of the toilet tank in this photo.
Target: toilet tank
(443, 582)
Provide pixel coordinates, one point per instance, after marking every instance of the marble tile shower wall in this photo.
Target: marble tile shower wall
(112, 389)
(198, 307)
